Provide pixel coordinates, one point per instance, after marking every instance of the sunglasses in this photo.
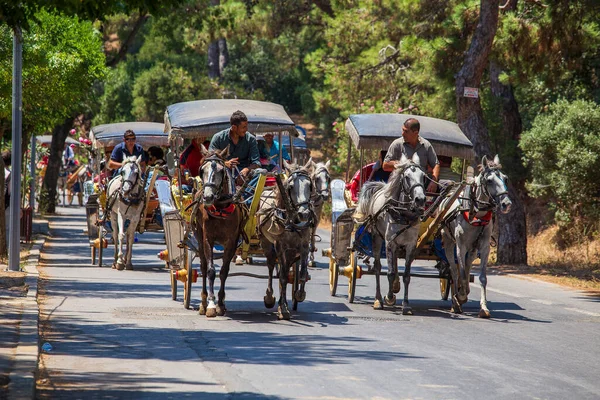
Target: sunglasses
(131, 139)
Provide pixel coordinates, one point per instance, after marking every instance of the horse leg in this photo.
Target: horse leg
(484, 252)
(115, 236)
(267, 247)
(377, 242)
(283, 311)
(460, 297)
(129, 248)
(211, 310)
(228, 255)
(300, 295)
(121, 238)
(449, 245)
(312, 248)
(204, 269)
(411, 252)
(392, 274)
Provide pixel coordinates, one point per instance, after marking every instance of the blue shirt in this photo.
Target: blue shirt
(273, 153)
(246, 149)
(120, 152)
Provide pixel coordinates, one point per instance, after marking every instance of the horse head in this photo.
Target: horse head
(412, 178)
(214, 175)
(299, 187)
(321, 181)
(131, 172)
(493, 184)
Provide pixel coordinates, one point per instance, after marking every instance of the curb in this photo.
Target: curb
(22, 377)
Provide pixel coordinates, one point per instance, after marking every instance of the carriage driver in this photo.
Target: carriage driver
(409, 144)
(127, 148)
(243, 147)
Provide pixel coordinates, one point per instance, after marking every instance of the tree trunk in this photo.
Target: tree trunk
(223, 55)
(48, 195)
(3, 248)
(512, 227)
(142, 18)
(469, 111)
(213, 52)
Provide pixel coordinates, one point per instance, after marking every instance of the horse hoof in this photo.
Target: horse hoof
(312, 264)
(456, 308)
(462, 300)
(390, 302)
(202, 310)
(120, 267)
(300, 295)
(239, 261)
(407, 311)
(377, 305)
(283, 314)
(114, 266)
(129, 267)
(484, 314)
(269, 301)
(211, 312)
(396, 285)
(221, 310)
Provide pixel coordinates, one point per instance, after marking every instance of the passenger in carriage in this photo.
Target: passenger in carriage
(409, 144)
(191, 158)
(370, 172)
(269, 150)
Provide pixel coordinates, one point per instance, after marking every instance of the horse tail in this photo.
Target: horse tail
(364, 198)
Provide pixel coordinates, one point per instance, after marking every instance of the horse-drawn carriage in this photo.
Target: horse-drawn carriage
(216, 213)
(148, 194)
(363, 240)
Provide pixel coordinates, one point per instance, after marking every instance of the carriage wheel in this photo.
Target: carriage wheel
(445, 288)
(334, 273)
(296, 285)
(187, 287)
(173, 284)
(352, 280)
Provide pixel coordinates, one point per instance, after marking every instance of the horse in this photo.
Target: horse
(470, 228)
(391, 211)
(215, 218)
(127, 192)
(321, 192)
(284, 237)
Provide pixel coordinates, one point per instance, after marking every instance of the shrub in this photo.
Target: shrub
(562, 149)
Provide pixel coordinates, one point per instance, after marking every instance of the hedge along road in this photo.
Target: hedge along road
(118, 334)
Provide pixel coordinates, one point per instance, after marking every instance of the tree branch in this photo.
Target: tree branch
(125, 46)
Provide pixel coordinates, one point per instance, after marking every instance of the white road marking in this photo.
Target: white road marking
(593, 314)
(504, 293)
(545, 302)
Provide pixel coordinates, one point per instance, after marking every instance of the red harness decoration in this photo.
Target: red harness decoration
(483, 221)
(220, 212)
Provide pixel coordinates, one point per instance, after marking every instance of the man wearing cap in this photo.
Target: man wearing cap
(127, 148)
(243, 148)
(69, 156)
(409, 144)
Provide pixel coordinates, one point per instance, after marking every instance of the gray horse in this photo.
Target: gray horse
(321, 192)
(470, 227)
(215, 219)
(127, 189)
(284, 238)
(391, 211)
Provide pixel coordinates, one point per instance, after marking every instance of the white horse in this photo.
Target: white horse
(125, 213)
(391, 211)
(470, 227)
(321, 192)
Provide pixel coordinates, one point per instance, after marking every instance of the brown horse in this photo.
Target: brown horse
(215, 219)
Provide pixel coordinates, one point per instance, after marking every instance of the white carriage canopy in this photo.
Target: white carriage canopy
(204, 118)
(378, 131)
(147, 134)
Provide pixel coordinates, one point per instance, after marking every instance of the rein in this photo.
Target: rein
(128, 199)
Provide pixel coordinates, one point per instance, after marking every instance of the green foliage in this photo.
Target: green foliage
(115, 103)
(562, 150)
(62, 58)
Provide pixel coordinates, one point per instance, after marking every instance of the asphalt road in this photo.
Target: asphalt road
(118, 334)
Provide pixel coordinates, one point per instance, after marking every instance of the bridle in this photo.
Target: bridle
(294, 176)
(493, 201)
(214, 161)
(320, 196)
(128, 198)
(408, 191)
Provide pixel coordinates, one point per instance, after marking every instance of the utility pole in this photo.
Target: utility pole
(14, 228)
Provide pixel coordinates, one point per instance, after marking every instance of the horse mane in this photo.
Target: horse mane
(395, 181)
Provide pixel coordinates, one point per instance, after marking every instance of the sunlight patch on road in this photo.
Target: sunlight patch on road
(592, 314)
